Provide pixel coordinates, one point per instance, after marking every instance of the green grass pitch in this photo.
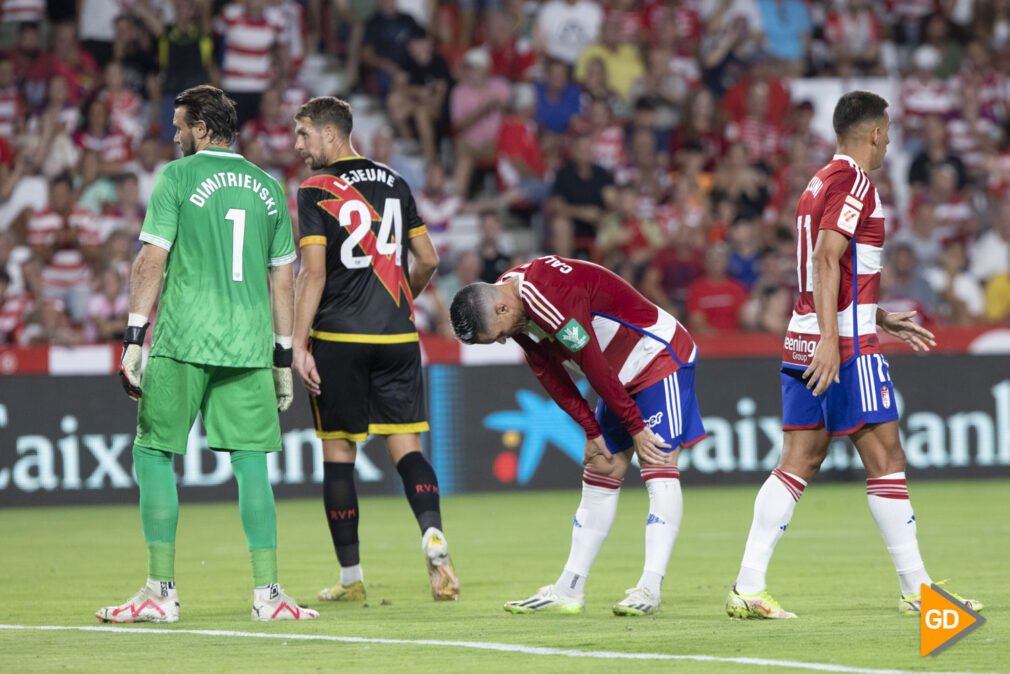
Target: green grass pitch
(60, 564)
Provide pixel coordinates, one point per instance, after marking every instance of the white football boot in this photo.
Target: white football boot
(147, 606)
(547, 600)
(640, 601)
(271, 603)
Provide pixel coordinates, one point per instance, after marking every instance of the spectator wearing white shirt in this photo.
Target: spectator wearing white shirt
(565, 27)
(962, 301)
(990, 254)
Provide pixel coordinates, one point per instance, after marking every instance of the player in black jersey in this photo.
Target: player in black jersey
(355, 344)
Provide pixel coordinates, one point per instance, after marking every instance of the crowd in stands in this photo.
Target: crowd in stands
(658, 137)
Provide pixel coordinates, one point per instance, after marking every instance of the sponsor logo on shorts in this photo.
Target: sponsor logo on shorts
(885, 397)
(655, 419)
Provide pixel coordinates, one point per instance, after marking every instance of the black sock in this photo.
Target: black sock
(421, 487)
(341, 501)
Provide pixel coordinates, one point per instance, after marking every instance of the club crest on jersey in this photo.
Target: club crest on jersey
(573, 336)
(885, 397)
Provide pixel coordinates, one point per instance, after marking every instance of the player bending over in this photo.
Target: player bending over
(216, 229)
(835, 381)
(355, 344)
(640, 361)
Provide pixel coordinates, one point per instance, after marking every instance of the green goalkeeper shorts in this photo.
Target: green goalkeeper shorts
(238, 406)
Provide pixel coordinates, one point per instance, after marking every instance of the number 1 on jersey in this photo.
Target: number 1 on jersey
(237, 217)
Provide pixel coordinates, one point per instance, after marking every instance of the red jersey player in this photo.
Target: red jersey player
(640, 361)
(835, 381)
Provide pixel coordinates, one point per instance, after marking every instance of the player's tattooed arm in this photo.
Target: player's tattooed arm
(145, 278)
(901, 324)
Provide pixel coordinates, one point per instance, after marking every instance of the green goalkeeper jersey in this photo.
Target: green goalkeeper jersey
(224, 222)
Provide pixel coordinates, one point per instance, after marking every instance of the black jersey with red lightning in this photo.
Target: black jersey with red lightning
(363, 212)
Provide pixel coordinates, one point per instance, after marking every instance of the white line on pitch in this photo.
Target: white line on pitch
(480, 646)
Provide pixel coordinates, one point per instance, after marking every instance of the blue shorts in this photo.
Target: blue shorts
(669, 407)
(864, 395)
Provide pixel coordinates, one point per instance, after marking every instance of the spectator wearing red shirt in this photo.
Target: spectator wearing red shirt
(682, 15)
(757, 130)
(520, 163)
(508, 60)
(124, 104)
(923, 94)
(272, 130)
(66, 58)
(12, 108)
(49, 140)
(714, 301)
(13, 307)
(737, 102)
(66, 241)
(437, 209)
(853, 32)
(98, 135)
(702, 127)
(126, 213)
(673, 269)
(625, 236)
(607, 135)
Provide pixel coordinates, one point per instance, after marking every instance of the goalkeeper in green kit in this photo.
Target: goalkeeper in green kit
(218, 246)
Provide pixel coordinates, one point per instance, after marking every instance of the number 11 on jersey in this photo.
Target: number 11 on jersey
(804, 254)
(237, 217)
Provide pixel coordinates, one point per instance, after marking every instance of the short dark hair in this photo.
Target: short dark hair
(211, 106)
(63, 178)
(856, 107)
(323, 110)
(469, 311)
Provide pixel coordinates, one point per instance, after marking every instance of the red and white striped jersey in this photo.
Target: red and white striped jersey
(587, 318)
(13, 309)
(248, 46)
(11, 109)
(22, 11)
(125, 110)
(840, 197)
(112, 147)
(275, 138)
(66, 268)
(920, 99)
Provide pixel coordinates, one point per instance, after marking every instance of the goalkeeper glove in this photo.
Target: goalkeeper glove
(129, 365)
(282, 375)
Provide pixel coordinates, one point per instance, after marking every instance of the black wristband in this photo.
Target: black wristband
(282, 356)
(135, 335)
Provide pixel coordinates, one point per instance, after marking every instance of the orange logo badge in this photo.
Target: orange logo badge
(943, 620)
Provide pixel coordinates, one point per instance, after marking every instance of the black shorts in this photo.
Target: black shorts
(368, 389)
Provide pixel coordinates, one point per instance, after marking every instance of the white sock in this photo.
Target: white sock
(267, 592)
(773, 508)
(351, 574)
(666, 509)
(892, 510)
(589, 529)
(162, 588)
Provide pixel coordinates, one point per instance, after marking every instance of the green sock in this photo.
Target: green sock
(259, 516)
(159, 509)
